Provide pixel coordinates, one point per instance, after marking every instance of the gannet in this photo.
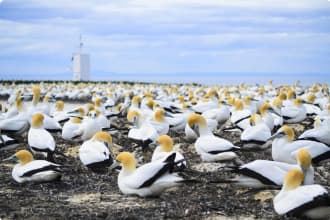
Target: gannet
(257, 134)
(284, 148)
(96, 152)
(39, 139)
(208, 146)
(151, 179)
(142, 131)
(310, 201)
(165, 149)
(30, 170)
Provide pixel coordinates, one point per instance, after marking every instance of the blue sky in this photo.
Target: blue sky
(182, 39)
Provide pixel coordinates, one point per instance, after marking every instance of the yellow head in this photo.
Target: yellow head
(150, 103)
(293, 179)
(238, 105)
(133, 116)
(247, 100)
(81, 111)
(291, 94)
(24, 156)
(263, 108)
(98, 102)
(19, 103)
(75, 120)
(36, 95)
(277, 102)
(90, 106)
(46, 98)
(60, 105)
(102, 137)
(119, 107)
(282, 96)
(136, 100)
(127, 160)
(159, 115)
(288, 131)
(166, 143)
(254, 118)
(37, 120)
(297, 102)
(181, 98)
(311, 98)
(212, 93)
(304, 159)
(261, 91)
(196, 119)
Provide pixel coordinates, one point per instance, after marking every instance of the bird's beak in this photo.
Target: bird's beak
(273, 111)
(114, 165)
(73, 112)
(277, 135)
(52, 99)
(195, 129)
(255, 100)
(166, 114)
(11, 158)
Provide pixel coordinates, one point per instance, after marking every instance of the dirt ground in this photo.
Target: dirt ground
(82, 194)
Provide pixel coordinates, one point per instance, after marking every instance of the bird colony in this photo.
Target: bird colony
(153, 151)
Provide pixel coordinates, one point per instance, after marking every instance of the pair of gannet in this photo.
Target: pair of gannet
(285, 148)
(89, 126)
(142, 131)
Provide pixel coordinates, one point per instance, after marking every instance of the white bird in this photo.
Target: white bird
(278, 119)
(256, 135)
(320, 133)
(284, 148)
(96, 152)
(294, 113)
(310, 201)
(151, 179)
(192, 136)
(266, 173)
(30, 170)
(88, 127)
(160, 122)
(165, 149)
(60, 115)
(69, 128)
(142, 132)
(211, 104)
(265, 113)
(220, 114)
(208, 146)
(240, 116)
(39, 139)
